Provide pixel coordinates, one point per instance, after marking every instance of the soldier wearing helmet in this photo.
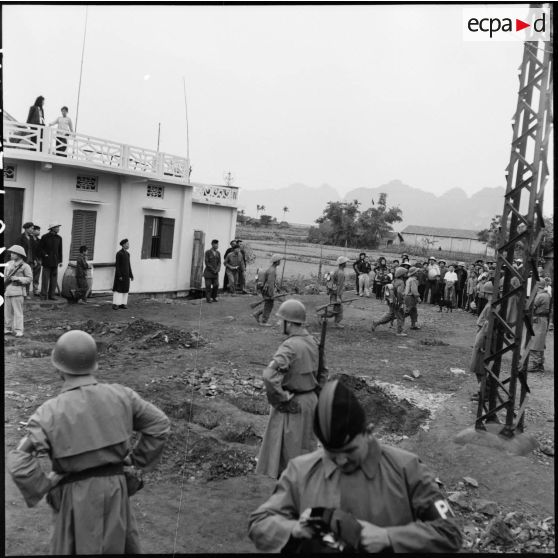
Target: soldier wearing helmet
(268, 288)
(335, 288)
(291, 380)
(87, 432)
(18, 276)
(395, 298)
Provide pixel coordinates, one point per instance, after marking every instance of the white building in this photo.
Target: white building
(101, 191)
(452, 240)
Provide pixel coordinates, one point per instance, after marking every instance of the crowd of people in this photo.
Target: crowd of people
(330, 469)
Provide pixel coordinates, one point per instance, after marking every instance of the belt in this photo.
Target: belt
(302, 392)
(102, 471)
(542, 315)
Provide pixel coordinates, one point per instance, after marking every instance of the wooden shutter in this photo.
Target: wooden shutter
(146, 245)
(167, 236)
(84, 225)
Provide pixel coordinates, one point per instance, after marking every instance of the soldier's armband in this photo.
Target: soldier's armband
(438, 509)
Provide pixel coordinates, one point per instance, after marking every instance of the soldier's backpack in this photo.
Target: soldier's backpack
(388, 293)
(260, 279)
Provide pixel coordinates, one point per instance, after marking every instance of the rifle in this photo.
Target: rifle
(320, 308)
(256, 304)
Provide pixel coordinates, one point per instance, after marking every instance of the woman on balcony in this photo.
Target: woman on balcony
(36, 116)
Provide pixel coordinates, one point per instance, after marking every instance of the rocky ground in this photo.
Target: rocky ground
(202, 365)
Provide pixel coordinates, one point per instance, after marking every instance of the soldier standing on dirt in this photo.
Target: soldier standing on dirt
(335, 288)
(541, 315)
(370, 497)
(269, 287)
(86, 430)
(395, 300)
(227, 252)
(242, 270)
(212, 260)
(291, 380)
(234, 264)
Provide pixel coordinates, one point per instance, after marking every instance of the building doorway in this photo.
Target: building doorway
(13, 212)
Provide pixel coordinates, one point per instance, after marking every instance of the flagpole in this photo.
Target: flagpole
(187, 130)
(81, 66)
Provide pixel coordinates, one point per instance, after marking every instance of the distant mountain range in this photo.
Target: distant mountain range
(453, 209)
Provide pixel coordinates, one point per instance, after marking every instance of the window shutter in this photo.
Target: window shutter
(146, 245)
(167, 236)
(84, 225)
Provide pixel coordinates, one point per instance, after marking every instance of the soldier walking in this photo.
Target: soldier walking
(541, 315)
(87, 432)
(291, 380)
(269, 287)
(335, 288)
(234, 264)
(17, 277)
(395, 300)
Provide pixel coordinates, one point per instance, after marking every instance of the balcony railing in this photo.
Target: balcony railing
(89, 149)
(215, 195)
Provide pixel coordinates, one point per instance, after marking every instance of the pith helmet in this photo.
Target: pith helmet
(292, 311)
(276, 258)
(17, 249)
(75, 353)
(342, 260)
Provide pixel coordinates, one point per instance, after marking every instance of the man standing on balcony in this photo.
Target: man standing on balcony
(122, 277)
(51, 253)
(64, 124)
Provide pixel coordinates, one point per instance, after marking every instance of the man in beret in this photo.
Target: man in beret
(372, 497)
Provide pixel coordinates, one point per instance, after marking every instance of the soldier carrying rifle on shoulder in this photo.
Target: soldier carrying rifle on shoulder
(268, 288)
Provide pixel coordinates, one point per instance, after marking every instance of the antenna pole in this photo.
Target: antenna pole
(187, 130)
(81, 66)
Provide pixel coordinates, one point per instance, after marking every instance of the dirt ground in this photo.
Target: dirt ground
(202, 365)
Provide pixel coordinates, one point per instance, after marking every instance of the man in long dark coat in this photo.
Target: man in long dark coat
(51, 253)
(122, 277)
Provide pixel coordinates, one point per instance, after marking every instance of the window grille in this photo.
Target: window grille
(155, 191)
(10, 172)
(87, 183)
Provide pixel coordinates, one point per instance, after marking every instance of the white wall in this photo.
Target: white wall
(449, 244)
(120, 214)
(216, 222)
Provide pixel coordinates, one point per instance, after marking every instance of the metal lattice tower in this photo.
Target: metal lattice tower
(522, 230)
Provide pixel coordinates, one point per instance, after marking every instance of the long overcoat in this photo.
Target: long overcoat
(123, 272)
(50, 248)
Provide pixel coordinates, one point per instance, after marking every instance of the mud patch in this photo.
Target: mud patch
(433, 343)
(252, 405)
(34, 353)
(205, 457)
(154, 334)
(386, 412)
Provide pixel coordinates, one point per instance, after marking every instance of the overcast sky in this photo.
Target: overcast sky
(351, 96)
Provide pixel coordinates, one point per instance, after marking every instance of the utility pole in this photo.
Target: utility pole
(522, 229)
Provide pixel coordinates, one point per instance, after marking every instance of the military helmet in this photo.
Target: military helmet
(292, 311)
(400, 272)
(75, 353)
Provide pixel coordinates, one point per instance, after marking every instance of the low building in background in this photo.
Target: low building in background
(450, 240)
(101, 191)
